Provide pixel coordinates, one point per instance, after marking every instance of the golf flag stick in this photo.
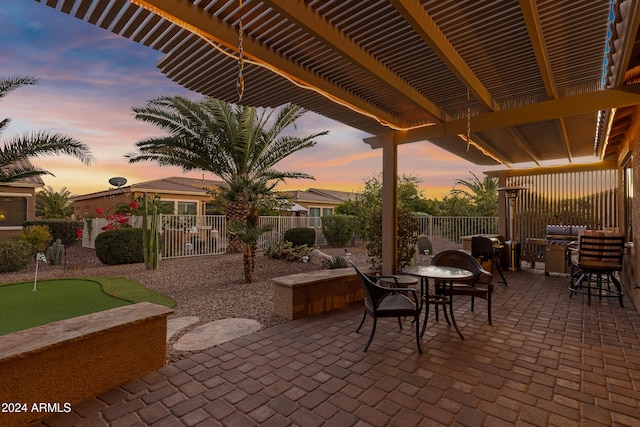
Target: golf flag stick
(39, 257)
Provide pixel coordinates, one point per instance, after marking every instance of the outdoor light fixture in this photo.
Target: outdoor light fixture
(511, 192)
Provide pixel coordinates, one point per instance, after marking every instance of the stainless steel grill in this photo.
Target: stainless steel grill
(556, 253)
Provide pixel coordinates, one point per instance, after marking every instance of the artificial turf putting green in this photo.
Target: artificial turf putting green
(22, 308)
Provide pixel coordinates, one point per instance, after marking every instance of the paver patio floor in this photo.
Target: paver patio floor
(547, 360)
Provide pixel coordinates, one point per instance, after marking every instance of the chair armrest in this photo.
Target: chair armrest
(485, 272)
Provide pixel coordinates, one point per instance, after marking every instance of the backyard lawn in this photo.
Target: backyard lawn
(21, 307)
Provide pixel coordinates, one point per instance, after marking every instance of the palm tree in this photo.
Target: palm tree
(236, 143)
(483, 194)
(16, 152)
(53, 204)
(248, 233)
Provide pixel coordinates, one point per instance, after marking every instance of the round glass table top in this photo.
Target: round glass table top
(438, 272)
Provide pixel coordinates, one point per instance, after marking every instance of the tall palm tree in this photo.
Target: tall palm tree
(16, 152)
(53, 204)
(239, 144)
(482, 193)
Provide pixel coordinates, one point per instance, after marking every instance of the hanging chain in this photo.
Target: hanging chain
(468, 119)
(240, 82)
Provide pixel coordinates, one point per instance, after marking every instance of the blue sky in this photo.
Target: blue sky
(91, 78)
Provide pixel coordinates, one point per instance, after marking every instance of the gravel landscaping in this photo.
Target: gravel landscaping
(210, 287)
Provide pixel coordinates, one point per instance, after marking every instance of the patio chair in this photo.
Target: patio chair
(383, 301)
(484, 249)
(480, 285)
(599, 254)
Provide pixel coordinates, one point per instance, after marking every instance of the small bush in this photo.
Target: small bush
(301, 236)
(338, 229)
(424, 244)
(120, 246)
(287, 250)
(15, 255)
(38, 236)
(63, 229)
(337, 262)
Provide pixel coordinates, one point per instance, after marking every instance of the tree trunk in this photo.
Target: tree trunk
(238, 212)
(249, 261)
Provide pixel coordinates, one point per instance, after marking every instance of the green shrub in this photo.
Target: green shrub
(407, 230)
(424, 244)
(63, 229)
(338, 229)
(337, 262)
(286, 250)
(15, 255)
(120, 246)
(301, 236)
(38, 236)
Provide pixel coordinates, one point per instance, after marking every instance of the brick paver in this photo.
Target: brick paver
(547, 360)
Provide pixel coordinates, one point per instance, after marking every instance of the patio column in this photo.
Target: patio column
(389, 206)
(503, 207)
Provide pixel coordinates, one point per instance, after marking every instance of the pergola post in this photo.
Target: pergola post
(389, 206)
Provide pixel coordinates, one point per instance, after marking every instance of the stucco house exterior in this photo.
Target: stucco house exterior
(184, 196)
(17, 204)
(319, 202)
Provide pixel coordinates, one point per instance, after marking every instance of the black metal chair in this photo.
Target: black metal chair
(484, 249)
(383, 301)
(480, 285)
(599, 254)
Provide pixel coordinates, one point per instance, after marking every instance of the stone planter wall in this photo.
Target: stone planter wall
(61, 364)
(306, 294)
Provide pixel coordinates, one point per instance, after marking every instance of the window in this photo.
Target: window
(315, 215)
(167, 207)
(187, 208)
(14, 211)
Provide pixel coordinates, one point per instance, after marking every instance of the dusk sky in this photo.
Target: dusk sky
(90, 78)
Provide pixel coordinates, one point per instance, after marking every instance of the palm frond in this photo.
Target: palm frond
(7, 84)
(15, 172)
(43, 143)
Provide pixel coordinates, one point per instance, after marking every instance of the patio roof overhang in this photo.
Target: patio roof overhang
(494, 82)
(531, 78)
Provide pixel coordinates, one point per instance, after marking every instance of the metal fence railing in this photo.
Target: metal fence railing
(446, 232)
(193, 235)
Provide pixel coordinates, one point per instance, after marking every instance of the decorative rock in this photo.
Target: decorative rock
(216, 333)
(178, 323)
(317, 256)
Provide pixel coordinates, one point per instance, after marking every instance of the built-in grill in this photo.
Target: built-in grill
(556, 253)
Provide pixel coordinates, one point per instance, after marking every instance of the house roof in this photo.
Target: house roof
(30, 182)
(173, 185)
(526, 81)
(317, 195)
(342, 196)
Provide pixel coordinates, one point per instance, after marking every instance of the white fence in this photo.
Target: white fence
(192, 235)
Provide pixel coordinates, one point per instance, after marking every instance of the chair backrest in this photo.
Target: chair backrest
(481, 247)
(601, 248)
(371, 292)
(459, 259)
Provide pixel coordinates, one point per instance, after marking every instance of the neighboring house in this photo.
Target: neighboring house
(17, 204)
(186, 196)
(319, 202)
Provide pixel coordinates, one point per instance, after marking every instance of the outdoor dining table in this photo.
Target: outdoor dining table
(446, 275)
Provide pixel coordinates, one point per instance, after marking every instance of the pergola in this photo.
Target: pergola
(492, 81)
